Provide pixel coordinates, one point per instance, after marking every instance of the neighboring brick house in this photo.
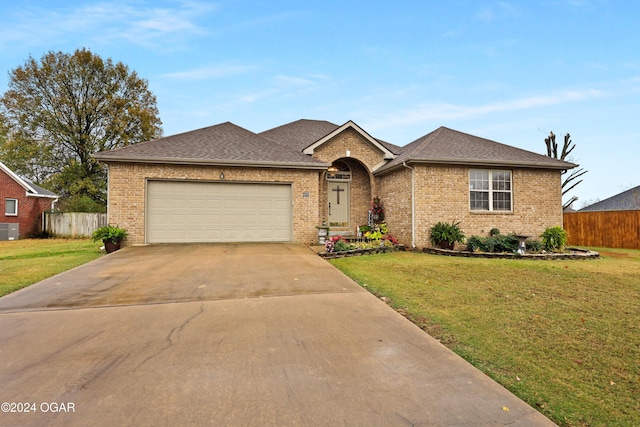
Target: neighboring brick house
(22, 205)
(224, 183)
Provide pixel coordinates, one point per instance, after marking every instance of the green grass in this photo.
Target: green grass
(562, 335)
(25, 262)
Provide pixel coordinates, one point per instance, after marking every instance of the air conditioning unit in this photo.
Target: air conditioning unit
(9, 231)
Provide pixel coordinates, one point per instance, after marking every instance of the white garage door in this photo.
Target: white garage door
(187, 211)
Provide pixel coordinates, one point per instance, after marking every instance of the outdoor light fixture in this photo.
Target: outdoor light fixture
(221, 175)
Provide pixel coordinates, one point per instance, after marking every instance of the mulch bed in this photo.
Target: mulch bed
(571, 253)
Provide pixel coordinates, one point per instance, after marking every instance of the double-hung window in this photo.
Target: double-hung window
(490, 190)
(11, 207)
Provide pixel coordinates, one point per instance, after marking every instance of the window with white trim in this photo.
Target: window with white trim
(11, 207)
(490, 190)
(339, 171)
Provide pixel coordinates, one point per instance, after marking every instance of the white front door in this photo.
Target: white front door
(339, 201)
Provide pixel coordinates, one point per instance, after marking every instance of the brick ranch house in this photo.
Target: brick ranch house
(224, 183)
(22, 206)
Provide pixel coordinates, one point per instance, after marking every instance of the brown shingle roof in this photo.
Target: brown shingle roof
(448, 146)
(229, 144)
(225, 143)
(303, 133)
(299, 134)
(625, 201)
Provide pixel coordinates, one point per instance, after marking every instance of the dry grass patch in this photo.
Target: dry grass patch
(562, 335)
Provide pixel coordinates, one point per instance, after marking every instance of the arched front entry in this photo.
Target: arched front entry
(346, 195)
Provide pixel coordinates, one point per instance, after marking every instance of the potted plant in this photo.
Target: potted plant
(111, 236)
(445, 235)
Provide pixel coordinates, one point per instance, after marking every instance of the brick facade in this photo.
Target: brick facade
(438, 193)
(395, 192)
(442, 194)
(30, 208)
(127, 192)
(362, 158)
(352, 142)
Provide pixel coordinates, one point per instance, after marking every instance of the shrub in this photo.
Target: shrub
(341, 245)
(390, 239)
(533, 245)
(554, 239)
(364, 228)
(337, 244)
(509, 243)
(109, 232)
(475, 243)
(444, 232)
(500, 243)
(78, 203)
(494, 232)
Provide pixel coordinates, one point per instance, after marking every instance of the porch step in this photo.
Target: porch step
(347, 234)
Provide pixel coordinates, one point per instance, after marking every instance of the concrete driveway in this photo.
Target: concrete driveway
(249, 334)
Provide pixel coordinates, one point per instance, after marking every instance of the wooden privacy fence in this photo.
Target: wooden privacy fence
(73, 224)
(606, 229)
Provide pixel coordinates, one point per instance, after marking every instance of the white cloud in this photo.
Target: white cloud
(211, 72)
(104, 22)
(486, 15)
(445, 111)
(501, 11)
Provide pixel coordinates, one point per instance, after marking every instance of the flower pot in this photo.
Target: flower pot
(111, 245)
(445, 245)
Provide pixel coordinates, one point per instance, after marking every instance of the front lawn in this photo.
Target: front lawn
(564, 336)
(25, 262)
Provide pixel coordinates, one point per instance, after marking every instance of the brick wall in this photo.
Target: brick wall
(442, 194)
(395, 193)
(29, 208)
(363, 156)
(358, 147)
(127, 192)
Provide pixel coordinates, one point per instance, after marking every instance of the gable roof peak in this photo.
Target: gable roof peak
(30, 188)
(388, 154)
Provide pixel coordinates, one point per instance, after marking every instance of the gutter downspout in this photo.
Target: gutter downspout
(413, 204)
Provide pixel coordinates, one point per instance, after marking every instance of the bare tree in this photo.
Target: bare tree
(569, 182)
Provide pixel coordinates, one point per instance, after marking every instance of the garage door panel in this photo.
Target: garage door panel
(218, 212)
(195, 203)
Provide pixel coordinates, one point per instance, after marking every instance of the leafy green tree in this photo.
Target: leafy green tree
(61, 110)
(569, 182)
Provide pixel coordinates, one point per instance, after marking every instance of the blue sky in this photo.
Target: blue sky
(510, 71)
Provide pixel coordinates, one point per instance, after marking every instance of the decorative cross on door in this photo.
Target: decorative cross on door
(338, 190)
